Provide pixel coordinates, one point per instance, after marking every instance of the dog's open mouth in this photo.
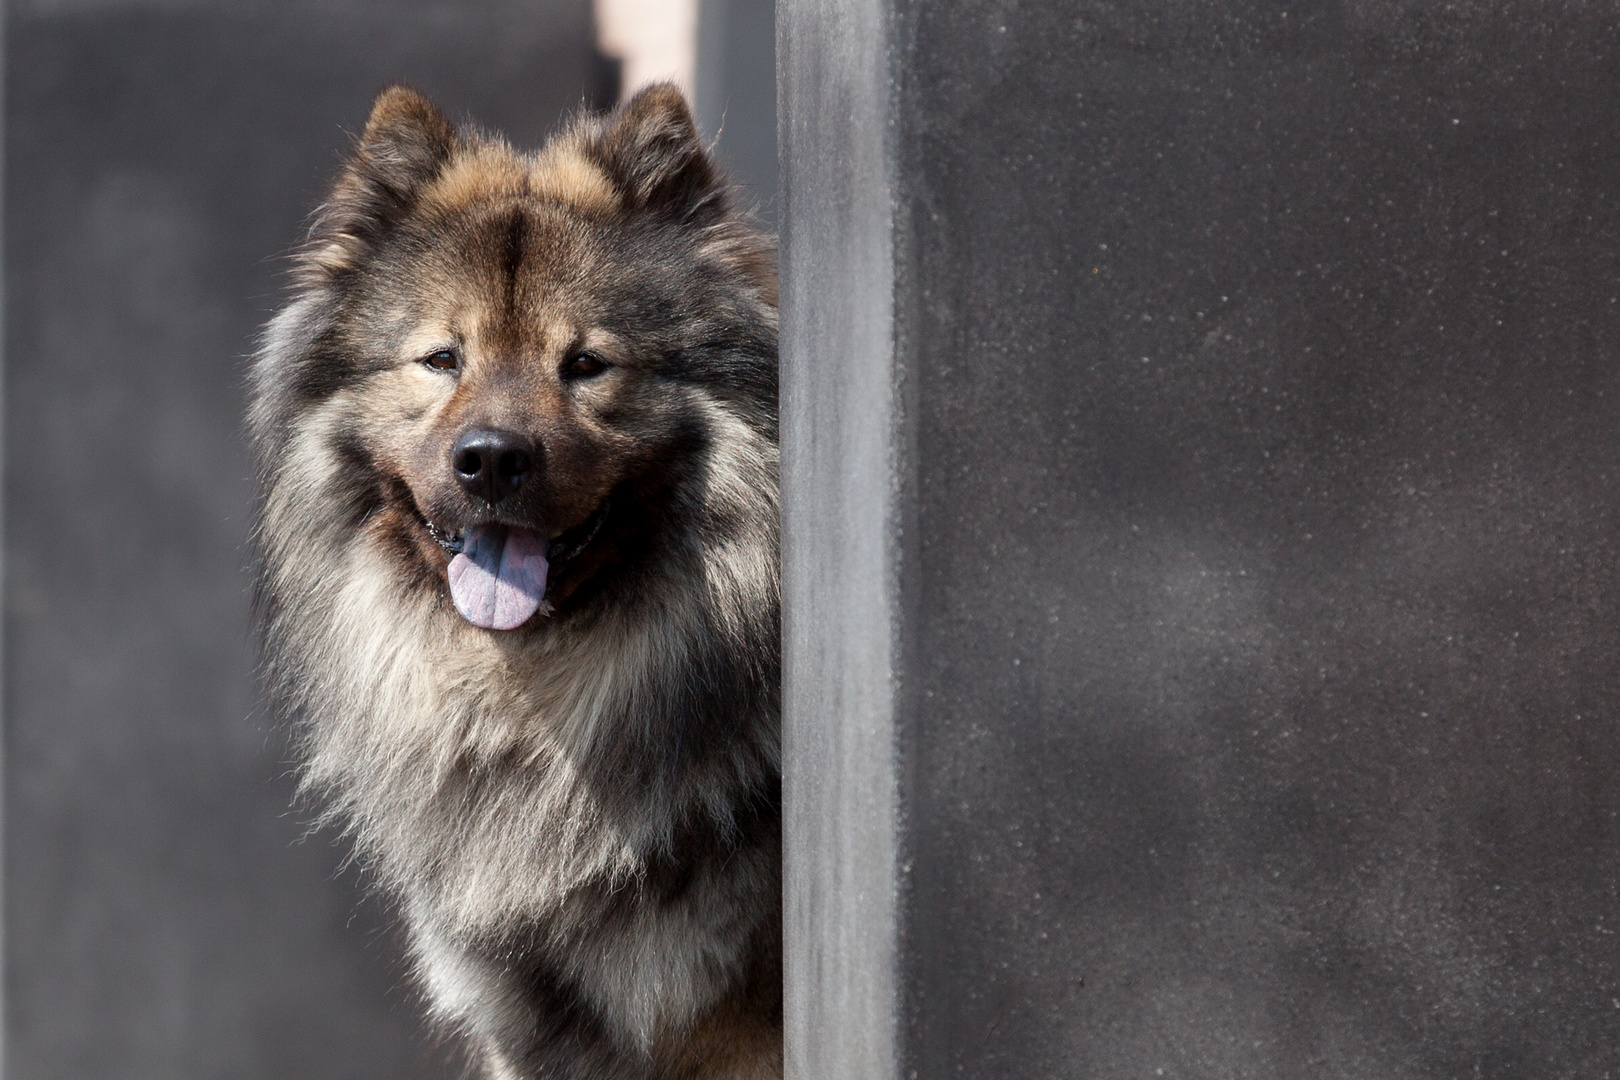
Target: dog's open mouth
(498, 578)
(498, 572)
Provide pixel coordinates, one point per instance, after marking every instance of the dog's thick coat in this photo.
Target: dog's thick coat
(580, 817)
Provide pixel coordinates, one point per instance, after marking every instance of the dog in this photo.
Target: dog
(518, 581)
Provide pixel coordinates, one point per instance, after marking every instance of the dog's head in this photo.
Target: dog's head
(520, 364)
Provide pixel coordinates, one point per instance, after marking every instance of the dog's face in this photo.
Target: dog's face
(529, 348)
(524, 376)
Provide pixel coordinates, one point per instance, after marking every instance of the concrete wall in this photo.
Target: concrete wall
(1202, 491)
(163, 919)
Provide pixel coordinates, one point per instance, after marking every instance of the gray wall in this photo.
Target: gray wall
(1202, 490)
(162, 917)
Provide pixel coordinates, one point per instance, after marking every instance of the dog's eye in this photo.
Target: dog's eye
(443, 360)
(584, 366)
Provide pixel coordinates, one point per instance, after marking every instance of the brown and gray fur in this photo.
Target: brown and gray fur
(580, 818)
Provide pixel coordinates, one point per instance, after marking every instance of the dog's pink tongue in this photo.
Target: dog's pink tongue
(499, 578)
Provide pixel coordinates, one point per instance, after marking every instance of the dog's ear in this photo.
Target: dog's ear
(651, 151)
(406, 142)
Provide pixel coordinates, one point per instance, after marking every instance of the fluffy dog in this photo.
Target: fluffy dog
(517, 435)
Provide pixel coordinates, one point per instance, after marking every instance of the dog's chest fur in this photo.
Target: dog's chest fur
(554, 850)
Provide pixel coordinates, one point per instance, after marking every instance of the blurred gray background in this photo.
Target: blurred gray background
(735, 95)
(163, 917)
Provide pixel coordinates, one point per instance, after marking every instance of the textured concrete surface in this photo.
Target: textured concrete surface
(840, 613)
(162, 918)
(1257, 687)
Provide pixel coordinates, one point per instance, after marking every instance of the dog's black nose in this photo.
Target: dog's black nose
(492, 465)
